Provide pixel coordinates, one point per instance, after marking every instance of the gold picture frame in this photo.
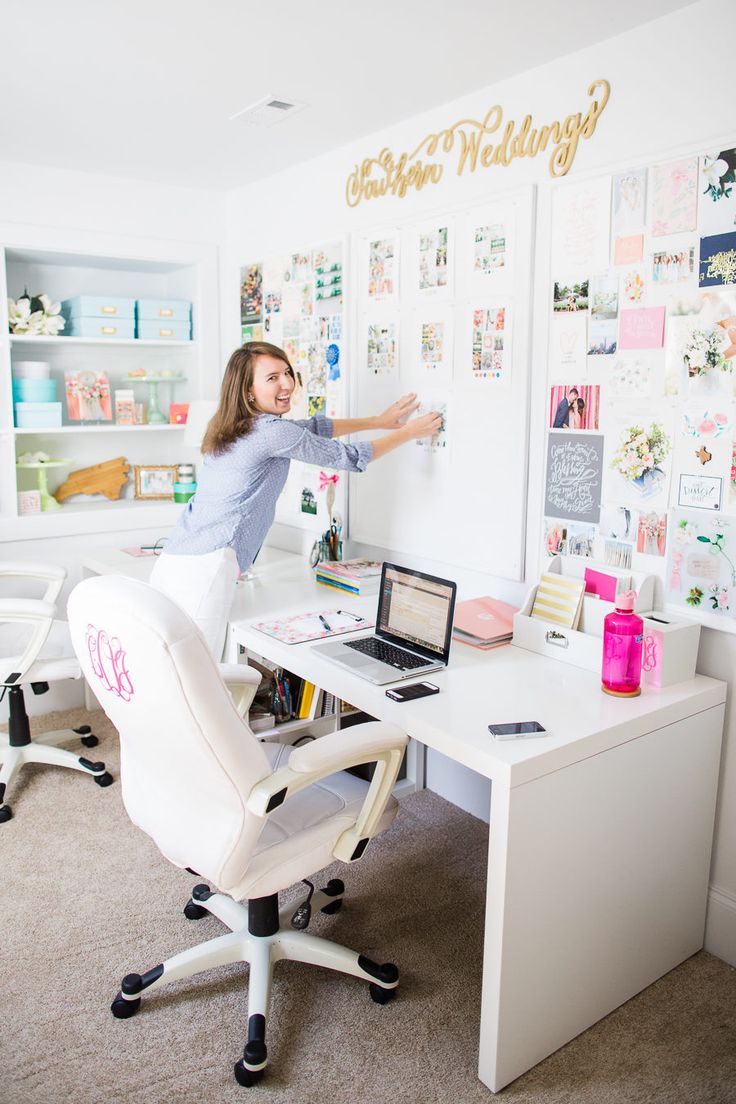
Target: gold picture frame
(155, 481)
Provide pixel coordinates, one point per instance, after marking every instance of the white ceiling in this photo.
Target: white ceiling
(145, 89)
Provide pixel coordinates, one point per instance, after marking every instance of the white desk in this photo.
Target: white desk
(600, 832)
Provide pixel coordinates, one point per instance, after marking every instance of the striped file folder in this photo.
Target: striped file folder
(559, 599)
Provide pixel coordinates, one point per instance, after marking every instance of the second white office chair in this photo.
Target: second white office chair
(35, 650)
(251, 818)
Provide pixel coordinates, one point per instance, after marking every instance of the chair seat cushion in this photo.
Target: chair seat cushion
(56, 659)
(299, 836)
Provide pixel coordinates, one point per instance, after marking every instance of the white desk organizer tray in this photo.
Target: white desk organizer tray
(581, 647)
(670, 649)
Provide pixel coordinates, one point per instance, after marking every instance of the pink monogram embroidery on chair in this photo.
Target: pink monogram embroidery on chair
(107, 657)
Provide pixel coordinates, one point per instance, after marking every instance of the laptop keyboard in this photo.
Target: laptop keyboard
(387, 653)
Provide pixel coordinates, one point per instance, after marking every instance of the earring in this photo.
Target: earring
(251, 398)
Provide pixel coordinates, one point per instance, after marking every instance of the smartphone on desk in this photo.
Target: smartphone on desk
(516, 730)
(415, 690)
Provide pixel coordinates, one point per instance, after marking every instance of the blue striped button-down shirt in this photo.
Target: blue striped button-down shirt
(237, 489)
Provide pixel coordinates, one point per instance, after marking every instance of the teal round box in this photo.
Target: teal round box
(184, 491)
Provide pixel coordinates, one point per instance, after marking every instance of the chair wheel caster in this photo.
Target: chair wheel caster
(103, 780)
(329, 910)
(245, 1076)
(334, 888)
(123, 1009)
(379, 995)
(193, 911)
(5, 813)
(90, 741)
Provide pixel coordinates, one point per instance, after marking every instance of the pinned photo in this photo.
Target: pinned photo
(574, 407)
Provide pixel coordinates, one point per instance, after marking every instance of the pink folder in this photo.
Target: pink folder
(486, 619)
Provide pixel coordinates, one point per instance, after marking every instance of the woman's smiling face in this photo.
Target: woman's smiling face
(273, 385)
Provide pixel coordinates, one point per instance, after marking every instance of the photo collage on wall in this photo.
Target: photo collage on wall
(435, 306)
(295, 302)
(641, 454)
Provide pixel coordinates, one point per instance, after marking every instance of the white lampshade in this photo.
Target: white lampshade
(198, 418)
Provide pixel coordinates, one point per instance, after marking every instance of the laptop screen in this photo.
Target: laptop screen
(417, 610)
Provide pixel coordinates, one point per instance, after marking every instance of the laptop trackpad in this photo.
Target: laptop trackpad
(354, 659)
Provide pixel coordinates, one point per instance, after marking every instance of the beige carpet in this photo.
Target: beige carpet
(87, 898)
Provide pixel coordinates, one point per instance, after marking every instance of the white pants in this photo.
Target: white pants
(204, 587)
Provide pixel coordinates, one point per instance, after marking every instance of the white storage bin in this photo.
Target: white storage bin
(31, 369)
(581, 647)
(670, 649)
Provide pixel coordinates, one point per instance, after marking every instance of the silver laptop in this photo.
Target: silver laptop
(413, 629)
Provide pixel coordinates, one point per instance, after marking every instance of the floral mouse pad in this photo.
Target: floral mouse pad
(313, 626)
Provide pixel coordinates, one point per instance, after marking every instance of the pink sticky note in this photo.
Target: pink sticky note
(628, 250)
(641, 329)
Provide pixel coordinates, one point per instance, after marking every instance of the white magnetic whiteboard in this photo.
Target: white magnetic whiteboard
(443, 309)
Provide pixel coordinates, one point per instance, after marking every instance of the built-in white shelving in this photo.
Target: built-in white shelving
(63, 264)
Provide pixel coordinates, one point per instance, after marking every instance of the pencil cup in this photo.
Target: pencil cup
(325, 551)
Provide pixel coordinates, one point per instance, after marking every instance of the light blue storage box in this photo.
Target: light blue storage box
(171, 310)
(161, 330)
(34, 390)
(38, 415)
(99, 316)
(98, 306)
(115, 328)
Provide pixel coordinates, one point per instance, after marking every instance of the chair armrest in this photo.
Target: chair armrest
(51, 574)
(29, 611)
(374, 742)
(242, 682)
(26, 609)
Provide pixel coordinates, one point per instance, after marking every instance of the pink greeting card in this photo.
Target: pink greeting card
(642, 328)
(628, 250)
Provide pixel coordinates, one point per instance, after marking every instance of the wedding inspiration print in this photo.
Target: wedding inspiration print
(701, 564)
(574, 476)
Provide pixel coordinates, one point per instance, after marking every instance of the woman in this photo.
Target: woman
(247, 449)
(576, 414)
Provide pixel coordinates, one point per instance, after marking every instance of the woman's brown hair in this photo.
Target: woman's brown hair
(236, 411)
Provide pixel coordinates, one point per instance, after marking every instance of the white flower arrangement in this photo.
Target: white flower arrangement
(36, 316)
(641, 450)
(706, 349)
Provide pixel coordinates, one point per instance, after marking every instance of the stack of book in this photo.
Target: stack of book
(484, 622)
(354, 576)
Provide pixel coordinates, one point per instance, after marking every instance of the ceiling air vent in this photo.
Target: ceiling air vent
(267, 111)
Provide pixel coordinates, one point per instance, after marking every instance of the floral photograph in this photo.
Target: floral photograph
(640, 464)
(701, 565)
(88, 396)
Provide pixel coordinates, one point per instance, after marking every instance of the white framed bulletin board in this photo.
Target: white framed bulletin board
(442, 308)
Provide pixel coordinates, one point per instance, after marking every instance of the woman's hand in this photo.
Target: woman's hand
(396, 414)
(428, 425)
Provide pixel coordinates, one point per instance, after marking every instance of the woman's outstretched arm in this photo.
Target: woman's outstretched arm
(392, 418)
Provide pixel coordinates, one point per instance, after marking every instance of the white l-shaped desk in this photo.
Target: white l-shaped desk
(600, 831)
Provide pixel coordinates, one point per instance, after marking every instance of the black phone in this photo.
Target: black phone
(515, 729)
(414, 690)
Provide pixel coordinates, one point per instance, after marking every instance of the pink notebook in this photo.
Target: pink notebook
(484, 622)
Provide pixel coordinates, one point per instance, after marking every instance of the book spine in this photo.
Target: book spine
(338, 586)
(306, 702)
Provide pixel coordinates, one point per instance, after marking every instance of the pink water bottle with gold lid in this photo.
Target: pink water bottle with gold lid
(623, 632)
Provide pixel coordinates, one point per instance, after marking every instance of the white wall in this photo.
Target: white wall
(660, 105)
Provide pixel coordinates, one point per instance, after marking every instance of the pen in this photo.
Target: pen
(354, 616)
(324, 622)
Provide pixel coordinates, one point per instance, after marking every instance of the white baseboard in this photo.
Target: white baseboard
(720, 924)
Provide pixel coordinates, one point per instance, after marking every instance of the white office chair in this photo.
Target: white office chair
(251, 818)
(35, 649)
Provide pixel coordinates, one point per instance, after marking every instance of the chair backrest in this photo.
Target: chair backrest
(187, 760)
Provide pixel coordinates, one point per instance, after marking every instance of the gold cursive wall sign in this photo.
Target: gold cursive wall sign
(397, 175)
